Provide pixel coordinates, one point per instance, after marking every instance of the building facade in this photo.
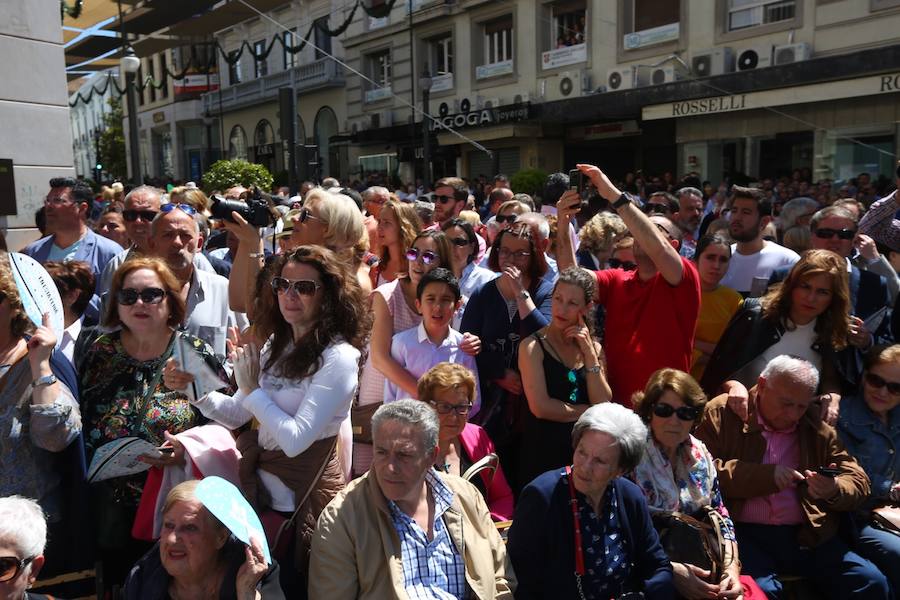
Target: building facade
(88, 108)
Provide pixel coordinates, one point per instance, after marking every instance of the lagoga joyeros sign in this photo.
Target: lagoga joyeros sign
(481, 117)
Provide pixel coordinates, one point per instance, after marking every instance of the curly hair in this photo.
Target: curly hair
(599, 234)
(343, 313)
(408, 223)
(446, 376)
(19, 323)
(679, 382)
(833, 325)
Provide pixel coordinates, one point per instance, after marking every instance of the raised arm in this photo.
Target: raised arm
(247, 263)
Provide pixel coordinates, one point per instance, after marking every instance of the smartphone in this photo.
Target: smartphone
(576, 180)
(166, 450)
(828, 471)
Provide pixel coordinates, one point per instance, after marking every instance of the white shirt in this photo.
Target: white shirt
(292, 414)
(67, 342)
(744, 268)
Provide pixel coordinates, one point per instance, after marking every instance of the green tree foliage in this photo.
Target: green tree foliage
(528, 181)
(112, 142)
(224, 174)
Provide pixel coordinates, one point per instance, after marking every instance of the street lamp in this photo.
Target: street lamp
(128, 66)
(98, 164)
(425, 86)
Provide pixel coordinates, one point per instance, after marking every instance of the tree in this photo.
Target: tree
(224, 174)
(112, 142)
(528, 181)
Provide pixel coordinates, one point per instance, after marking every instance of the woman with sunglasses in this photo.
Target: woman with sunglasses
(717, 302)
(677, 474)
(298, 388)
(398, 226)
(563, 373)
(450, 389)
(464, 252)
(869, 427)
(504, 311)
(123, 394)
(23, 537)
(394, 308)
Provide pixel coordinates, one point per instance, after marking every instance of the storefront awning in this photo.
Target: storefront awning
(498, 132)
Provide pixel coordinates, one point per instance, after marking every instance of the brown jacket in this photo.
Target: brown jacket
(738, 449)
(356, 550)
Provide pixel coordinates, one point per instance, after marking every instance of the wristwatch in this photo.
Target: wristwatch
(594, 369)
(524, 295)
(622, 201)
(45, 380)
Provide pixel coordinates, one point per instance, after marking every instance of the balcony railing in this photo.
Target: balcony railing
(320, 74)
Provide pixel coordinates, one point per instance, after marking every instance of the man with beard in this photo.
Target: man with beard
(753, 259)
(690, 209)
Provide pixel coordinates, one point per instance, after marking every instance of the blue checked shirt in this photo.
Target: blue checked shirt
(430, 569)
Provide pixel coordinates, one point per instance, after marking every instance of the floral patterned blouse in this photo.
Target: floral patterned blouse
(116, 400)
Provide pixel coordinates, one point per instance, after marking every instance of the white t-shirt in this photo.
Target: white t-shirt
(743, 268)
(796, 343)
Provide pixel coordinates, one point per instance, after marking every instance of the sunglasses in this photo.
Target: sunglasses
(185, 208)
(444, 199)
(652, 209)
(460, 241)
(843, 234)
(10, 567)
(301, 287)
(507, 254)
(131, 215)
(625, 265)
(445, 408)
(893, 387)
(667, 233)
(427, 256)
(506, 218)
(684, 413)
(306, 214)
(150, 295)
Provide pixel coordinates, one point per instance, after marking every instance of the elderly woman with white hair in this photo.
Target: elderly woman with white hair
(584, 531)
(23, 535)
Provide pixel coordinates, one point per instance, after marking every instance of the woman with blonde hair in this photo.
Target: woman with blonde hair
(398, 226)
(597, 240)
(191, 196)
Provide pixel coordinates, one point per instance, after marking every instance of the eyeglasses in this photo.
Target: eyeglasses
(893, 387)
(306, 214)
(843, 234)
(506, 218)
(509, 254)
(301, 287)
(427, 256)
(444, 199)
(132, 215)
(10, 567)
(445, 408)
(652, 209)
(664, 230)
(185, 208)
(57, 201)
(625, 265)
(149, 295)
(460, 241)
(684, 413)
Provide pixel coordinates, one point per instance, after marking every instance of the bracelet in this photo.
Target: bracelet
(257, 255)
(622, 201)
(594, 369)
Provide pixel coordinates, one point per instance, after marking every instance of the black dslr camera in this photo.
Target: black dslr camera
(255, 210)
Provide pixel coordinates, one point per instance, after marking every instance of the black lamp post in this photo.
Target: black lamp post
(98, 163)
(425, 85)
(129, 66)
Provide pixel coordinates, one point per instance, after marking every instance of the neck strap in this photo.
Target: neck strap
(579, 549)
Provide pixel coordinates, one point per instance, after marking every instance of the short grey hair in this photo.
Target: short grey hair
(690, 191)
(794, 209)
(537, 222)
(375, 190)
(622, 424)
(793, 368)
(411, 412)
(145, 190)
(23, 525)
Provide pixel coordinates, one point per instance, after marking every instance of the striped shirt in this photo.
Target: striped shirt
(432, 569)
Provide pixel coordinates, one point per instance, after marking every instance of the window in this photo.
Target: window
(380, 68)
(139, 81)
(237, 143)
(649, 14)
(568, 24)
(151, 66)
(234, 68)
(290, 40)
(442, 55)
(498, 40)
(260, 66)
(163, 75)
(322, 39)
(752, 13)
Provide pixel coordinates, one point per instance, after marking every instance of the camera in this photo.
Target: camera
(576, 180)
(255, 210)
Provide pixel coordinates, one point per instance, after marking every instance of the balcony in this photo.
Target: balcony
(321, 74)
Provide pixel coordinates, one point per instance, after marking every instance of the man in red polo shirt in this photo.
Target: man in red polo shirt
(651, 312)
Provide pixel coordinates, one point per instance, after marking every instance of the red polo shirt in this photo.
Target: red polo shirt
(649, 325)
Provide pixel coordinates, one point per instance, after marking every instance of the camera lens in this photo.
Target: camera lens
(222, 208)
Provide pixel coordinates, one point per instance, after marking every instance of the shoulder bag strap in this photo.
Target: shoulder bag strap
(289, 524)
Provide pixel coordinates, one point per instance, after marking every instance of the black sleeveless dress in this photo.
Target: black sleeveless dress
(547, 445)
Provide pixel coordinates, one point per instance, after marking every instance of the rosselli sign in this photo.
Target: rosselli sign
(832, 90)
(484, 116)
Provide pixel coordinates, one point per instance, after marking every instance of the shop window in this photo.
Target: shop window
(497, 48)
(264, 133)
(260, 65)
(649, 22)
(565, 40)
(322, 39)
(753, 13)
(237, 143)
(379, 71)
(380, 164)
(234, 68)
(291, 60)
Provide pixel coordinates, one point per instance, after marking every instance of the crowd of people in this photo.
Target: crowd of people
(456, 390)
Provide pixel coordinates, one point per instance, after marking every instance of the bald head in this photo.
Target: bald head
(175, 238)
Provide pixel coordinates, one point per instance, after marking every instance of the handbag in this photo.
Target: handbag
(887, 518)
(361, 419)
(696, 540)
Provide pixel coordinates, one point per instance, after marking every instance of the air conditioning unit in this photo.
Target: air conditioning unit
(661, 75)
(620, 79)
(791, 53)
(712, 62)
(466, 105)
(489, 102)
(522, 98)
(755, 57)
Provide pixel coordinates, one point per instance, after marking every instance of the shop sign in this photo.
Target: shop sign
(494, 69)
(602, 131)
(649, 37)
(442, 83)
(159, 117)
(487, 116)
(831, 90)
(561, 57)
(265, 150)
(196, 84)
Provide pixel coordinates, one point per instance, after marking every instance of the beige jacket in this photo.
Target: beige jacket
(356, 550)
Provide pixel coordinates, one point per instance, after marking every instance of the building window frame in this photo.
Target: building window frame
(163, 74)
(494, 40)
(234, 69)
(875, 5)
(322, 39)
(626, 10)
(237, 143)
(723, 35)
(260, 65)
(291, 60)
(380, 69)
(550, 55)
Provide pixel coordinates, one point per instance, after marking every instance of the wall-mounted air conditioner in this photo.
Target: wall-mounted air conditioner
(755, 57)
(715, 61)
(791, 53)
(620, 79)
